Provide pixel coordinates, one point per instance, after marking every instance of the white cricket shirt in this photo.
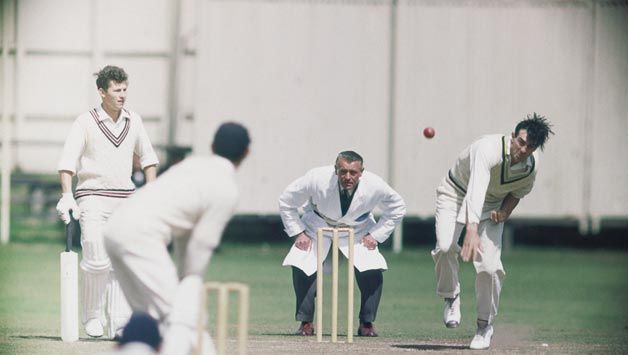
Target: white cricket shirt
(100, 152)
(194, 198)
(482, 176)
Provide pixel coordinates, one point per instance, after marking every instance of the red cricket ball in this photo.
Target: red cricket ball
(429, 132)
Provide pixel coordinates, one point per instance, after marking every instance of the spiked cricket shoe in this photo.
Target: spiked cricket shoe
(482, 338)
(451, 312)
(94, 328)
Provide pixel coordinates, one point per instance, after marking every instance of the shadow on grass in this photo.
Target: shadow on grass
(57, 338)
(38, 240)
(430, 347)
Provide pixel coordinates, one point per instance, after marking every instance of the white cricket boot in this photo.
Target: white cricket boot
(483, 335)
(94, 328)
(451, 312)
(118, 334)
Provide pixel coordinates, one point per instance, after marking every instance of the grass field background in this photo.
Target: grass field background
(572, 300)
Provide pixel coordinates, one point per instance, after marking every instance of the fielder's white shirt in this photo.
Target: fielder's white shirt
(195, 198)
(100, 152)
(482, 176)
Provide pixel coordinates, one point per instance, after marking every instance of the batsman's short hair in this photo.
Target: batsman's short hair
(108, 74)
(231, 141)
(538, 129)
(350, 156)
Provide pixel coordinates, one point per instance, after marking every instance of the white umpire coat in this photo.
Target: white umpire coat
(319, 195)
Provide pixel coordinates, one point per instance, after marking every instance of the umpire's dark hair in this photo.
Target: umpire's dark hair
(538, 128)
(108, 74)
(231, 141)
(350, 156)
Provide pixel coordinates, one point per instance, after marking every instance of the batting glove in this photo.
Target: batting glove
(67, 204)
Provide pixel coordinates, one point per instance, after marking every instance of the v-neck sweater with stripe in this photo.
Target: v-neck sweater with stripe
(482, 176)
(100, 152)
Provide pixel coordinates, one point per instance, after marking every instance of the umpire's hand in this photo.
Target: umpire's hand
(303, 242)
(369, 242)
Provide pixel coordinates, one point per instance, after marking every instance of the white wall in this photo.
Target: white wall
(473, 70)
(609, 126)
(60, 44)
(311, 78)
(466, 68)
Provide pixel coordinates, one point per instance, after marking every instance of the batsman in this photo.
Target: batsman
(99, 150)
(343, 195)
(478, 195)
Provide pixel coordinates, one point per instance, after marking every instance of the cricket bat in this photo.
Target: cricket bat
(69, 286)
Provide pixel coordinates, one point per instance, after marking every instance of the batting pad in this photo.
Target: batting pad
(118, 308)
(94, 293)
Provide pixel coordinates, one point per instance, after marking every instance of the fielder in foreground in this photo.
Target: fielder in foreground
(338, 196)
(480, 192)
(189, 204)
(99, 150)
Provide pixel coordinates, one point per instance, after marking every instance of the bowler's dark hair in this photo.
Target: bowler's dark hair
(538, 128)
(108, 74)
(231, 141)
(350, 156)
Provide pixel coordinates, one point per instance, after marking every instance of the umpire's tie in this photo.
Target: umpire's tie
(345, 201)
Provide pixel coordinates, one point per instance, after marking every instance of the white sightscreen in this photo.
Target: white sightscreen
(61, 44)
(312, 77)
(134, 26)
(609, 166)
(53, 25)
(471, 70)
(308, 79)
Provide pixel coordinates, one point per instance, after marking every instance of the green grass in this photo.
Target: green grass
(581, 295)
(575, 299)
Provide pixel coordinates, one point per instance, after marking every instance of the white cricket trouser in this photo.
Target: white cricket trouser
(487, 263)
(182, 334)
(145, 270)
(99, 282)
(149, 278)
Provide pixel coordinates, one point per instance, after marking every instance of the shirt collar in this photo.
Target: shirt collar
(528, 161)
(102, 115)
(351, 192)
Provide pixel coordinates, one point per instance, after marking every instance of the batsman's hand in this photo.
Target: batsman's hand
(499, 216)
(303, 242)
(471, 244)
(66, 204)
